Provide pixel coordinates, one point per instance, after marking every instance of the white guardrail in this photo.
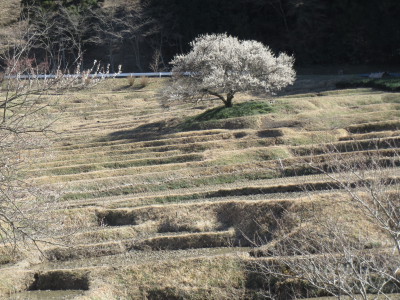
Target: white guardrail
(100, 75)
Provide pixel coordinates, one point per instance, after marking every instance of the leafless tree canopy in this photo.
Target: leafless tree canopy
(24, 123)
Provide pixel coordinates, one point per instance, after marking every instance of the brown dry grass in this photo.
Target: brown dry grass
(218, 277)
(9, 11)
(110, 123)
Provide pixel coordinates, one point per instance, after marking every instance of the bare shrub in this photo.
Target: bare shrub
(370, 179)
(332, 255)
(131, 80)
(94, 75)
(324, 256)
(87, 81)
(157, 61)
(144, 81)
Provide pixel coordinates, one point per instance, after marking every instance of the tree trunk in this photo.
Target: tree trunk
(228, 102)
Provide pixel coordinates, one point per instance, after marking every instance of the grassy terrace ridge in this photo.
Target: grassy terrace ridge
(154, 203)
(62, 170)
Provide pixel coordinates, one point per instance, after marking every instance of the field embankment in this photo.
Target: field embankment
(154, 210)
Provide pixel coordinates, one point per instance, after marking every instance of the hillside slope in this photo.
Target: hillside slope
(8, 9)
(153, 212)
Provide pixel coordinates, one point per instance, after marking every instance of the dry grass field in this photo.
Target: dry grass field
(149, 211)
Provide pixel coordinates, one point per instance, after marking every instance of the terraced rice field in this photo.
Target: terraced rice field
(149, 211)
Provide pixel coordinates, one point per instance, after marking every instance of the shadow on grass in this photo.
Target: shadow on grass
(128, 88)
(384, 84)
(145, 132)
(240, 116)
(314, 84)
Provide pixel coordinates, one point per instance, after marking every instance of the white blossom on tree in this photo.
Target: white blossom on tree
(221, 65)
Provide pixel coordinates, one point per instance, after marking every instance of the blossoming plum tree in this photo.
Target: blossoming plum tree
(221, 65)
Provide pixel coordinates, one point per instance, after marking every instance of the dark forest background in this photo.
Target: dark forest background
(144, 35)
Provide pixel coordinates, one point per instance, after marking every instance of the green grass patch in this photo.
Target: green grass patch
(237, 110)
(244, 109)
(385, 84)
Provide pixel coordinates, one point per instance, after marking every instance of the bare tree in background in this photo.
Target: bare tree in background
(60, 36)
(129, 25)
(139, 26)
(108, 30)
(157, 61)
